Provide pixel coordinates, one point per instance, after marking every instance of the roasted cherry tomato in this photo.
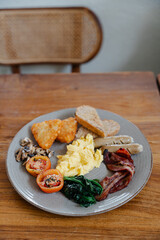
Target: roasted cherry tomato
(50, 181)
(37, 164)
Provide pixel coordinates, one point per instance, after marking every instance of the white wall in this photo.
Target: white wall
(131, 31)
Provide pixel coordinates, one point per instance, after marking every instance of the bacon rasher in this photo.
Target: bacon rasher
(122, 164)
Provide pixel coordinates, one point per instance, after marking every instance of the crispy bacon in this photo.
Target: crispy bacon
(122, 164)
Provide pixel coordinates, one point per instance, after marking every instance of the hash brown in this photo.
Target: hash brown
(46, 132)
(68, 130)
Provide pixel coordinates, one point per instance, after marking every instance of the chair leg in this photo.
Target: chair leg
(15, 69)
(158, 83)
(75, 68)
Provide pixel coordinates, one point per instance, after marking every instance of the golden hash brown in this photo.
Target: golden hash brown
(46, 132)
(68, 130)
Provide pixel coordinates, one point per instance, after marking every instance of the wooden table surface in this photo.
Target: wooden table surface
(135, 97)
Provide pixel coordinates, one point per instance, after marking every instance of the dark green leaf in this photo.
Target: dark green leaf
(81, 190)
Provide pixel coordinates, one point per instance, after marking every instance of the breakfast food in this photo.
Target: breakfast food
(120, 139)
(132, 148)
(82, 132)
(111, 127)
(94, 142)
(87, 116)
(37, 164)
(68, 130)
(80, 157)
(45, 133)
(122, 164)
(29, 150)
(50, 181)
(81, 190)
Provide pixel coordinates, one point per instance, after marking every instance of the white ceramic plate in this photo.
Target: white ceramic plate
(57, 203)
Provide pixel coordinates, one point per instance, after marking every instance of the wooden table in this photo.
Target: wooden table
(135, 97)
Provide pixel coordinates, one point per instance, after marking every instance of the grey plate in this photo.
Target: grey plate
(57, 203)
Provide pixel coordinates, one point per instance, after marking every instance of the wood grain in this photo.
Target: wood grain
(135, 97)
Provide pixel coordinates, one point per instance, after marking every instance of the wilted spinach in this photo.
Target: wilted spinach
(81, 190)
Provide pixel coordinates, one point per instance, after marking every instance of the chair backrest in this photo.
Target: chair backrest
(54, 35)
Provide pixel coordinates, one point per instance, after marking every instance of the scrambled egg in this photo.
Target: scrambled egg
(80, 157)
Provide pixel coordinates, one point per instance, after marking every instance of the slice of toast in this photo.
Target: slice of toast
(110, 126)
(46, 132)
(87, 116)
(82, 132)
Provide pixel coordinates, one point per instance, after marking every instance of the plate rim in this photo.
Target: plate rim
(76, 214)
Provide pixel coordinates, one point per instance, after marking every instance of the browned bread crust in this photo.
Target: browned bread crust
(111, 127)
(87, 116)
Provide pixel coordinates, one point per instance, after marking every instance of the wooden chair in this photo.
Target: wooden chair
(54, 35)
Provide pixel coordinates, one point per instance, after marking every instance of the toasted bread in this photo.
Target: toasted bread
(87, 116)
(111, 128)
(82, 132)
(68, 130)
(46, 132)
